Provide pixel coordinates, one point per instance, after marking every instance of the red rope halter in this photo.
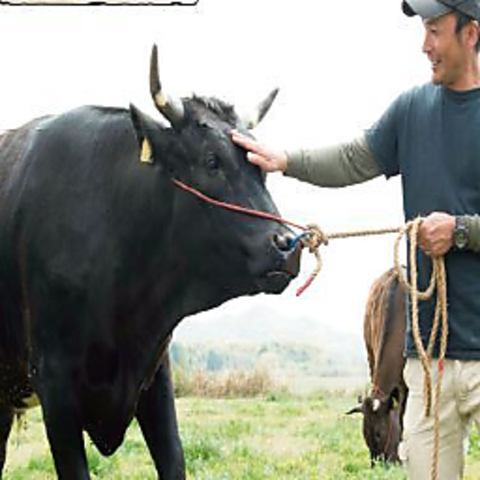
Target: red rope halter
(237, 208)
(246, 211)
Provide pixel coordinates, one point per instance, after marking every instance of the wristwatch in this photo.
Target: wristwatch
(460, 233)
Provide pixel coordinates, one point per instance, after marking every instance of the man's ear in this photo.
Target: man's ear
(150, 136)
(472, 30)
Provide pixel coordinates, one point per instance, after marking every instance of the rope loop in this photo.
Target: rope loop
(438, 285)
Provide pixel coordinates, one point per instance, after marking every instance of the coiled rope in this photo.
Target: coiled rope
(312, 237)
(437, 284)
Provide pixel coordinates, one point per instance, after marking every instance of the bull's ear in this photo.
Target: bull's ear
(148, 133)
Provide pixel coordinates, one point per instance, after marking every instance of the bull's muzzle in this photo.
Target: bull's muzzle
(287, 264)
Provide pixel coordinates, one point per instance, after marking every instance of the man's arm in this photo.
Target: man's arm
(336, 166)
(347, 164)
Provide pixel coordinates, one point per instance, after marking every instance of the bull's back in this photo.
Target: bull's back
(384, 318)
(13, 144)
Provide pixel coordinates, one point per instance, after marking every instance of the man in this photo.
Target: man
(430, 136)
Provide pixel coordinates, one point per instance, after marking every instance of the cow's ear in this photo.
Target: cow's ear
(149, 135)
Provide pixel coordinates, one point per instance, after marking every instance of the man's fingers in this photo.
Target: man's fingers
(257, 159)
(268, 160)
(247, 143)
(240, 139)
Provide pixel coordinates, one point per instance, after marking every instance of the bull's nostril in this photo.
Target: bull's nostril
(283, 242)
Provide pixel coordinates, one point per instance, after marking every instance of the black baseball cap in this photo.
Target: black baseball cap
(436, 8)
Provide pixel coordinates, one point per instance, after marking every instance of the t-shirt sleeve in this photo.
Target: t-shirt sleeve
(382, 139)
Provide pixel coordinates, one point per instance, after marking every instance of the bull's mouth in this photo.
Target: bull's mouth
(275, 282)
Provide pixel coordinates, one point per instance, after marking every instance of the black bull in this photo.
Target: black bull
(101, 256)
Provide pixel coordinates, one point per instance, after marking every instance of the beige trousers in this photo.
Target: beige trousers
(459, 407)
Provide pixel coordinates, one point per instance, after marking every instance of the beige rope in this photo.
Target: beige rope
(316, 237)
(438, 281)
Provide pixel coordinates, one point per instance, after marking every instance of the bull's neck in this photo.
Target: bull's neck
(159, 282)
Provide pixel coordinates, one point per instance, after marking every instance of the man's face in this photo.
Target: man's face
(446, 50)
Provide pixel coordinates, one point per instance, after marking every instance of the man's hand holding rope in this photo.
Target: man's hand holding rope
(435, 233)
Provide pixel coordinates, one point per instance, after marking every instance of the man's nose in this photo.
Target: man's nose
(426, 46)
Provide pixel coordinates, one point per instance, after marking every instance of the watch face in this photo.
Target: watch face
(461, 237)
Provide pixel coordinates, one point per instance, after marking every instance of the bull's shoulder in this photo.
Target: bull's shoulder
(84, 127)
(14, 142)
(87, 114)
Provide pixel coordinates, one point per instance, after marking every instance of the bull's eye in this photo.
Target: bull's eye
(212, 162)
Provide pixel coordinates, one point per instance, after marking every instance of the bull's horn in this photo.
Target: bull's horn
(262, 110)
(171, 108)
(357, 409)
(376, 404)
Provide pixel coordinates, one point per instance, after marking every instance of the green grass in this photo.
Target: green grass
(277, 437)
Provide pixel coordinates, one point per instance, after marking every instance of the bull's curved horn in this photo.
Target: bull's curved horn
(357, 409)
(171, 108)
(262, 109)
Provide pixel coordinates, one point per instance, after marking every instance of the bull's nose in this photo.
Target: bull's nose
(291, 250)
(283, 241)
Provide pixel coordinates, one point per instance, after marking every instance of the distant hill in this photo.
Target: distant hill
(290, 339)
(259, 323)
(252, 320)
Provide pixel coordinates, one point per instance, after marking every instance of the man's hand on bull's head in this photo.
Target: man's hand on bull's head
(267, 159)
(435, 235)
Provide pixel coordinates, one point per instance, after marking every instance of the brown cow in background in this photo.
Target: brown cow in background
(384, 335)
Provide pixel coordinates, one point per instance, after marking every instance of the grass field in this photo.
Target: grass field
(278, 437)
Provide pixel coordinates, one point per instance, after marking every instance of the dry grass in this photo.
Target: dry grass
(231, 384)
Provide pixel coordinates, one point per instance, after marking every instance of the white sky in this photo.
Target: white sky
(338, 65)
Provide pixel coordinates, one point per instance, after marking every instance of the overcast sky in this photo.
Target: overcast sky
(338, 65)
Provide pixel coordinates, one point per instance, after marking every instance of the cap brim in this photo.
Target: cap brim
(424, 8)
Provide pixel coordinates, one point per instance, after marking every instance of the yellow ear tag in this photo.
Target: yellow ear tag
(146, 153)
(161, 99)
(395, 403)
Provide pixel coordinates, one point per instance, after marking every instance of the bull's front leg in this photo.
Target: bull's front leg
(158, 421)
(63, 427)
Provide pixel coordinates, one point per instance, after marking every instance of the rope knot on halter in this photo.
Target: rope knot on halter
(314, 237)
